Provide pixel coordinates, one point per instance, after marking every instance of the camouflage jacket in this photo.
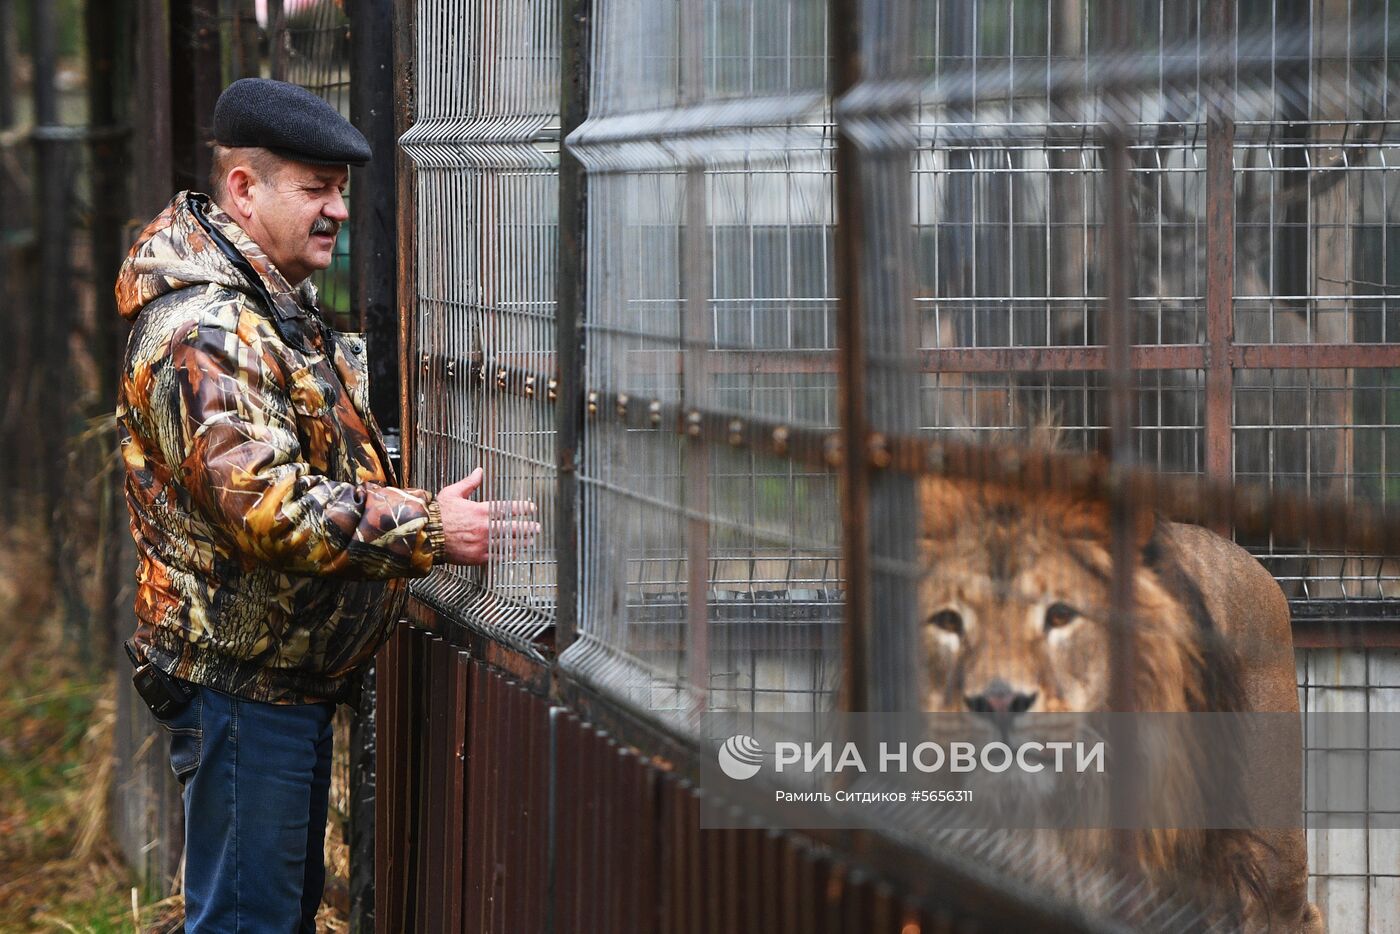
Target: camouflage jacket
(269, 531)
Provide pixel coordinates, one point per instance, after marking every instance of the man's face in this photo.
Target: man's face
(296, 214)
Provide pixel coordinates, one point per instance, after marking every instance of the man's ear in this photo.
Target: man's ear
(239, 187)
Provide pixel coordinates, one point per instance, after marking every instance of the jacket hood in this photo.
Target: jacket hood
(182, 248)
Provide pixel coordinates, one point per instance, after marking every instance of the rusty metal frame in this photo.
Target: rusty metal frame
(854, 477)
(571, 300)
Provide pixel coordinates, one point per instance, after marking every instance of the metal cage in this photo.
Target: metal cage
(1162, 227)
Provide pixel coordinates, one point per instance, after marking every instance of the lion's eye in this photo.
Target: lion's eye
(1058, 615)
(948, 621)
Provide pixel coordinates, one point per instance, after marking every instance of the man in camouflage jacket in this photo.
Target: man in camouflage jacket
(272, 537)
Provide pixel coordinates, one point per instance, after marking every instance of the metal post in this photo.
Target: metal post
(109, 32)
(405, 36)
(373, 267)
(11, 473)
(196, 80)
(1123, 512)
(54, 309)
(276, 36)
(373, 235)
(7, 34)
(393, 716)
(571, 287)
(1220, 262)
(245, 41)
(152, 121)
(851, 376)
(695, 295)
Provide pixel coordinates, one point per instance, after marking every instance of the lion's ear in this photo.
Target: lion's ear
(1091, 519)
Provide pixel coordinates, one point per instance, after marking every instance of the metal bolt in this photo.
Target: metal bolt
(552, 390)
(780, 439)
(736, 432)
(693, 421)
(529, 387)
(592, 403)
(655, 410)
(451, 368)
(500, 379)
(880, 456)
(622, 401)
(831, 449)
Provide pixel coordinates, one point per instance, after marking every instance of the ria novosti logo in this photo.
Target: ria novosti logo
(740, 757)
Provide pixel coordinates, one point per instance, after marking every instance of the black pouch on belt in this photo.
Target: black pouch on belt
(165, 695)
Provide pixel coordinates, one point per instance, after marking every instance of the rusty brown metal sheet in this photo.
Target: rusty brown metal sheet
(755, 882)
(858, 908)
(521, 883)
(512, 889)
(457, 817)
(422, 754)
(422, 675)
(538, 855)
(436, 780)
(673, 858)
(615, 816)
(595, 828)
(808, 891)
(497, 727)
(647, 781)
(561, 752)
(477, 856)
(382, 833)
(697, 894)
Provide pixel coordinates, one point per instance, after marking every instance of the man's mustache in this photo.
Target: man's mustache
(324, 225)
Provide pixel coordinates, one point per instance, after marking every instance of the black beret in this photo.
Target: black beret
(289, 120)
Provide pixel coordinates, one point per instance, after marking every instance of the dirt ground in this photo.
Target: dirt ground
(59, 870)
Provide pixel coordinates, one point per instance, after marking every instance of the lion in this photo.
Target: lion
(1012, 621)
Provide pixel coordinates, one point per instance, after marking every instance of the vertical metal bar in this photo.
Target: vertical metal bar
(571, 297)
(196, 80)
(373, 235)
(52, 228)
(557, 724)
(405, 32)
(153, 119)
(244, 40)
(8, 33)
(851, 376)
(276, 37)
(1220, 259)
(109, 35)
(1122, 511)
(695, 279)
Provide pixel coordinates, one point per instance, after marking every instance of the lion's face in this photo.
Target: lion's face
(1013, 603)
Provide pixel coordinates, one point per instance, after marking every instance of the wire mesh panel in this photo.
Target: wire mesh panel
(1253, 149)
(485, 150)
(711, 572)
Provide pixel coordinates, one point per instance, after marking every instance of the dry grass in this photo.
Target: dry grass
(59, 869)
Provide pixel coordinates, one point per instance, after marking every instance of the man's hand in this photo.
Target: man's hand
(476, 531)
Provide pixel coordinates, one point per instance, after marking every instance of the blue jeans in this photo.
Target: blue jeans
(256, 783)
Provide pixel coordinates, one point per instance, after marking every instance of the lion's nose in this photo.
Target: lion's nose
(999, 698)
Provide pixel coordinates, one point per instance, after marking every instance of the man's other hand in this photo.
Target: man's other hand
(477, 531)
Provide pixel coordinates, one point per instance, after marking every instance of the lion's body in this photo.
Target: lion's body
(1018, 596)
